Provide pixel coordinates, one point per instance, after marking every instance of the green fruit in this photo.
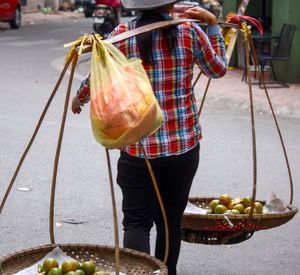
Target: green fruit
(247, 210)
(69, 265)
(225, 199)
(209, 211)
(231, 205)
(55, 271)
(213, 204)
(40, 269)
(246, 201)
(259, 207)
(240, 207)
(48, 264)
(234, 202)
(101, 273)
(88, 267)
(235, 211)
(220, 209)
(80, 272)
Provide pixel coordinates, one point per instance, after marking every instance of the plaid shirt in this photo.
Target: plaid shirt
(171, 77)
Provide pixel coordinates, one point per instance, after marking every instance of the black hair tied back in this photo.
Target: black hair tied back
(144, 41)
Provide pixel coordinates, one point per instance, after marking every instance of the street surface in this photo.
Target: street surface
(30, 62)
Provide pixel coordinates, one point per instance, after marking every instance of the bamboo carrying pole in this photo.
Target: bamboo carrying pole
(115, 217)
(73, 57)
(87, 49)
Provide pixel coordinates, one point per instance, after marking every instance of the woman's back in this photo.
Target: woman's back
(171, 74)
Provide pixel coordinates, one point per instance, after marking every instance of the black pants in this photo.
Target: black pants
(140, 206)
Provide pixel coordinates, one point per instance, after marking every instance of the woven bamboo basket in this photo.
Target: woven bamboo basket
(216, 229)
(131, 261)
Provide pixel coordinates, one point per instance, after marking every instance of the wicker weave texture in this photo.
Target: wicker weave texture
(216, 222)
(131, 261)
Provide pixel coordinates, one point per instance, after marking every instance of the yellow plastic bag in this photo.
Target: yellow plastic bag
(123, 108)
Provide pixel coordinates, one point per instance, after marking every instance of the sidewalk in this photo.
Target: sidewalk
(234, 93)
(38, 17)
(230, 90)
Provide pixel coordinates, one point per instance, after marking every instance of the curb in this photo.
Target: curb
(230, 91)
(38, 17)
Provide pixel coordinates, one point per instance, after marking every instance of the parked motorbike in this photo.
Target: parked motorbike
(104, 20)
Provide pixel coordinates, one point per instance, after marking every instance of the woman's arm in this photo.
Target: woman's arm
(210, 51)
(82, 95)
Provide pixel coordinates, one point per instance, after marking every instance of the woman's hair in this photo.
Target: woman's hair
(144, 41)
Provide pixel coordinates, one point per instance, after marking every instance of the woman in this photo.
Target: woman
(168, 56)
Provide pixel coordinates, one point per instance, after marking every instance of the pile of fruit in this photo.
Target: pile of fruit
(226, 205)
(69, 267)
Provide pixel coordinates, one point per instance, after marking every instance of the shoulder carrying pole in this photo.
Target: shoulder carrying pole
(85, 46)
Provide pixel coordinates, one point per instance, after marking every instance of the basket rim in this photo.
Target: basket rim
(48, 247)
(292, 210)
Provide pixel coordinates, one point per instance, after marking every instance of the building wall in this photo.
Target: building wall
(32, 5)
(288, 12)
(231, 6)
(282, 11)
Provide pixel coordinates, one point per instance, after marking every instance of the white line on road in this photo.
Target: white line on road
(58, 64)
(9, 38)
(48, 122)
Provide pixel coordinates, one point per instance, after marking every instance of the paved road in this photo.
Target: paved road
(30, 62)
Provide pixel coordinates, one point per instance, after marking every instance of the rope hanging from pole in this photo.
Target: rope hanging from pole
(74, 58)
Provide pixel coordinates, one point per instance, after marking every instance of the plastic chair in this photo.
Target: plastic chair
(280, 51)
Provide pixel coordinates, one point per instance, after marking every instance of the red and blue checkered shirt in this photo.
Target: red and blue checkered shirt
(171, 77)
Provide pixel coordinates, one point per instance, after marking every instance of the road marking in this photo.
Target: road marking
(58, 64)
(83, 125)
(9, 38)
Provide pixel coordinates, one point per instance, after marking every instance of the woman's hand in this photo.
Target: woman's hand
(76, 108)
(201, 14)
